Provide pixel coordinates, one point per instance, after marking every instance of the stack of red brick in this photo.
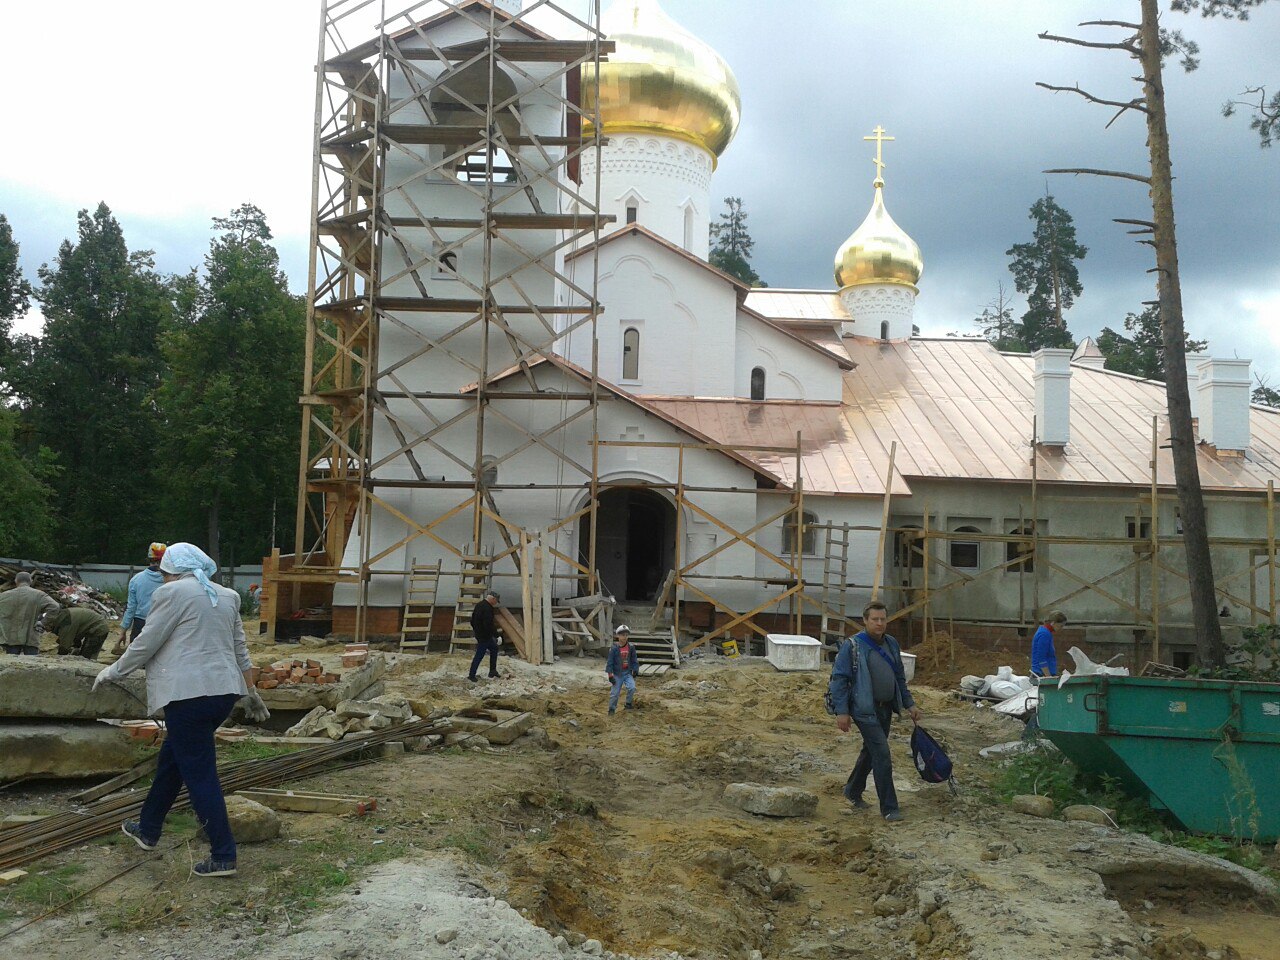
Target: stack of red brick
(355, 654)
(285, 673)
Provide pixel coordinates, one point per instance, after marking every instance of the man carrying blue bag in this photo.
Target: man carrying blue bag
(867, 688)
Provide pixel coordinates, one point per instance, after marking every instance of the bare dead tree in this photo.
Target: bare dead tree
(1145, 43)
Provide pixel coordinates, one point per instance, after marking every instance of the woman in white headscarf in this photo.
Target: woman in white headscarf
(197, 664)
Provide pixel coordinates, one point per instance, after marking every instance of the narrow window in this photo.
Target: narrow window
(965, 554)
(1137, 528)
(688, 228)
(884, 329)
(1014, 549)
(631, 354)
(757, 383)
(908, 549)
(633, 211)
(448, 266)
(808, 535)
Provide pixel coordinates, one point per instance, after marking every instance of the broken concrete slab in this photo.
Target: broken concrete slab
(67, 748)
(38, 688)
(771, 801)
(360, 683)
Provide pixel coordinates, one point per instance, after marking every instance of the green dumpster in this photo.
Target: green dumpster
(1207, 751)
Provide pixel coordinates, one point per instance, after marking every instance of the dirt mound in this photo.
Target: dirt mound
(942, 660)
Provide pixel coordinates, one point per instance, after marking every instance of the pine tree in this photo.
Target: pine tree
(235, 359)
(1141, 352)
(732, 244)
(85, 389)
(1045, 271)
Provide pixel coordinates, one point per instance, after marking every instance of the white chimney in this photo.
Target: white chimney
(1052, 379)
(1224, 403)
(1193, 381)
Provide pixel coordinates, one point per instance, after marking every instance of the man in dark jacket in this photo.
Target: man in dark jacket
(79, 630)
(868, 687)
(486, 633)
(622, 667)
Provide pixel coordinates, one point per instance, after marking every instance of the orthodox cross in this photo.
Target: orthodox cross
(879, 137)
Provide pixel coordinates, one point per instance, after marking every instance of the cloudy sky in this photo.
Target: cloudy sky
(175, 112)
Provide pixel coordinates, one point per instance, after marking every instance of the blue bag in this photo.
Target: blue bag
(932, 762)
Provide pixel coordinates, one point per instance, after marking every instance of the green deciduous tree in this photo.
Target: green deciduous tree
(85, 389)
(1045, 271)
(230, 400)
(15, 292)
(26, 497)
(1140, 350)
(731, 244)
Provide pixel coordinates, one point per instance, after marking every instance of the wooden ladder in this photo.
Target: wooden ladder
(471, 589)
(419, 606)
(570, 630)
(657, 646)
(835, 579)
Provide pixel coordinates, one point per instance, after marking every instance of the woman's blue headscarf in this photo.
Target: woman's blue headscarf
(188, 558)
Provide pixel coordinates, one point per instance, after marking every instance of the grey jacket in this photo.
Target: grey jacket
(20, 608)
(189, 647)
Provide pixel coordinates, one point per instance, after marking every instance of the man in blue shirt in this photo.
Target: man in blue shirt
(1044, 659)
(141, 586)
(868, 687)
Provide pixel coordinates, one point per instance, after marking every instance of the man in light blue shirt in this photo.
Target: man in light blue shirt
(141, 586)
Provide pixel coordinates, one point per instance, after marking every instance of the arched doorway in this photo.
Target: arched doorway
(635, 542)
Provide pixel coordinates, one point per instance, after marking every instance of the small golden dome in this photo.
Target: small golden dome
(662, 79)
(879, 251)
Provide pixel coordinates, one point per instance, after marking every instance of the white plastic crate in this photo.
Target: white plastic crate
(790, 651)
(909, 666)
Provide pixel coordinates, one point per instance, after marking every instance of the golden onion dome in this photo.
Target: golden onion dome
(662, 79)
(879, 251)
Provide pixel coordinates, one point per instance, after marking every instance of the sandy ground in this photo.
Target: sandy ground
(612, 829)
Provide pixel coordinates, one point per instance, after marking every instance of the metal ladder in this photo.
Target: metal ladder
(474, 582)
(835, 579)
(419, 606)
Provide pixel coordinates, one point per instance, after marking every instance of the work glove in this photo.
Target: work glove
(107, 675)
(253, 708)
(611, 678)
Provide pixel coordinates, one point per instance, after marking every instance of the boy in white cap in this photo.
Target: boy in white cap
(622, 667)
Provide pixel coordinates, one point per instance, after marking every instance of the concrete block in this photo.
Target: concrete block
(360, 683)
(251, 822)
(37, 687)
(64, 749)
(789, 651)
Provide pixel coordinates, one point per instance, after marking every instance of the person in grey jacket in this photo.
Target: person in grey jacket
(198, 667)
(20, 609)
(868, 687)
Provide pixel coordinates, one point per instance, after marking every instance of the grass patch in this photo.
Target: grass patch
(319, 868)
(475, 841)
(238, 751)
(40, 892)
(1049, 774)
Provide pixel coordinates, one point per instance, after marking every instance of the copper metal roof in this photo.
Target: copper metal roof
(959, 409)
(797, 304)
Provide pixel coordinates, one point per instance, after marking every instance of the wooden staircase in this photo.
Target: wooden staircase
(419, 607)
(570, 630)
(471, 589)
(655, 647)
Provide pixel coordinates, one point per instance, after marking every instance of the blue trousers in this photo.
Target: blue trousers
(876, 760)
(187, 759)
(482, 647)
(621, 680)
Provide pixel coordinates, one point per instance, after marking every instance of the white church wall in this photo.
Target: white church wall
(1103, 513)
(666, 180)
(683, 313)
(792, 370)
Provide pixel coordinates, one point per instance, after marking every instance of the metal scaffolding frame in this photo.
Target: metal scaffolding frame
(395, 112)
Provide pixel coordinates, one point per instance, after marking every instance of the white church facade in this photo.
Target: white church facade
(704, 382)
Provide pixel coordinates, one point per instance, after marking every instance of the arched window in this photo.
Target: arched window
(633, 211)
(808, 536)
(966, 554)
(447, 268)
(688, 228)
(1014, 549)
(757, 383)
(454, 103)
(884, 329)
(631, 354)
